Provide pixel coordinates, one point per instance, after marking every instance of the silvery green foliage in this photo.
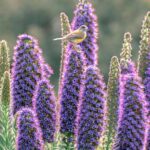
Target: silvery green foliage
(7, 131)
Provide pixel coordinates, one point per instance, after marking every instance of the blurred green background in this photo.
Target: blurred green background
(40, 18)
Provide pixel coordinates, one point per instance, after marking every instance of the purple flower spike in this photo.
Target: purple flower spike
(29, 135)
(131, 131)
(92, 110)
(44, 105)
(144, 64)
(85, 15)
(146, 82)
(27, 69)
(71, 85)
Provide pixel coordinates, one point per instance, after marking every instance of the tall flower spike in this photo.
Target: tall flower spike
(65, 29)
(44, 103)
(113, 90)
(144, 63)
(132, 114)
(4, 59)
(85, 15)
(125, 55)
(27, 70)
(71, 86)
(91, 110)
(5, 91)
(146, 82)
(29, 134)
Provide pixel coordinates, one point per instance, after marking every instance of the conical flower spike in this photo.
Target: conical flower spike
(44, 103)
(27, 69)
(85, 15)
(91, 110)
(29, 135)
(4, 59)
(144, 64)
(132, 123)
(71, 85)
(113, 90)
(65, 29)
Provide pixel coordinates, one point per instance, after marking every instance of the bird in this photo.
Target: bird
(77, 36)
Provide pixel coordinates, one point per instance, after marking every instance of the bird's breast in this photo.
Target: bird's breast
(78, 40)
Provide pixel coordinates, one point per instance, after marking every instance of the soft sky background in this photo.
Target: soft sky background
(40, 18)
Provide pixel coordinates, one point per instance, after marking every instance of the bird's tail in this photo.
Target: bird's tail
(56, 39)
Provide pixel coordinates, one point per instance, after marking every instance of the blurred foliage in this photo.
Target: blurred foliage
(41, 19)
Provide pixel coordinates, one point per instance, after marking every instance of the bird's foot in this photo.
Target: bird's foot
(77, 48)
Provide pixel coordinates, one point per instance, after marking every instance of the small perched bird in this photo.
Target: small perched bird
(76, 36)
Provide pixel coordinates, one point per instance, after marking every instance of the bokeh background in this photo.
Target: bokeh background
(40, 18)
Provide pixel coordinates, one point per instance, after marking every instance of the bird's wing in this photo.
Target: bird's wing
(77, 34)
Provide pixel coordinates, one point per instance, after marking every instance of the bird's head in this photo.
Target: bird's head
(83, 28)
